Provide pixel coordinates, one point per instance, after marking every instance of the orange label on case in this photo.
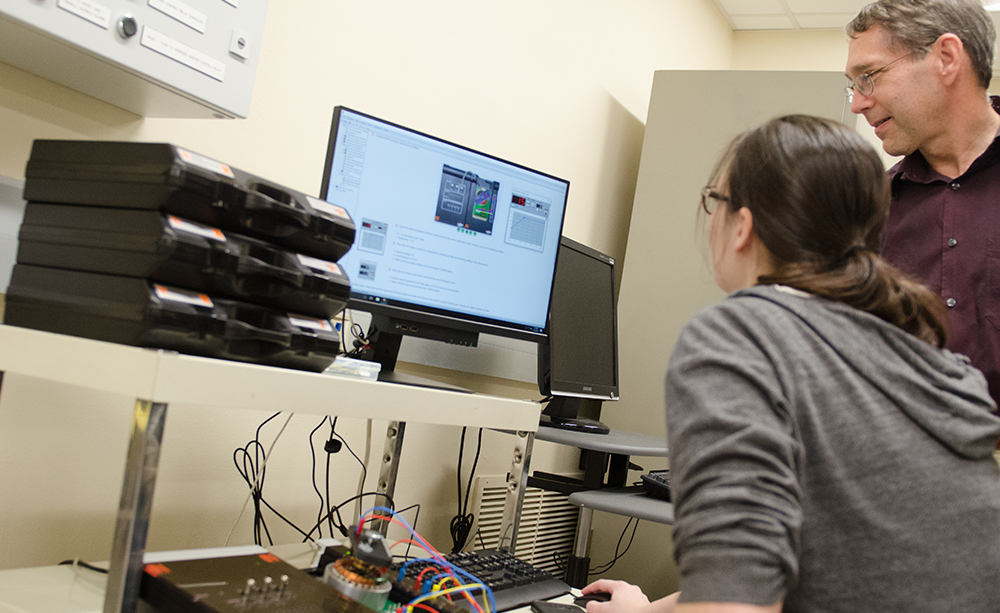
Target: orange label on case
(320, 264)
(196, 228)
(315, 324)
(178, 295)
(155, 570)
(205, 162)
(327, 207)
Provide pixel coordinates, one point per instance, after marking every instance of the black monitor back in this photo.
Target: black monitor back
(579, 360)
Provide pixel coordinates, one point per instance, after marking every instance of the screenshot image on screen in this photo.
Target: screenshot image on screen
(451, 241)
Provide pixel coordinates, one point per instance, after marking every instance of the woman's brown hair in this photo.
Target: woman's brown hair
(819, 196)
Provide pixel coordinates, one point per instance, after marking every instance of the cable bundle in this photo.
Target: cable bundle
(432, 582)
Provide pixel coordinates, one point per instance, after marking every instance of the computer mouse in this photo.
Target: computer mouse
(581, 601)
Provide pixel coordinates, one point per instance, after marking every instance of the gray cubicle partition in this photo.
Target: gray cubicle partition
(666, 274)
(11, 212)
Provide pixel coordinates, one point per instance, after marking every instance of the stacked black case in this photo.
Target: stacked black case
(153, 245)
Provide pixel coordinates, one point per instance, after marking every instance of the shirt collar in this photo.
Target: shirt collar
(916, 169)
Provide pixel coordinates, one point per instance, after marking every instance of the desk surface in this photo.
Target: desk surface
(168, 377)
(68, 589)
(616, 441)
(630, 502)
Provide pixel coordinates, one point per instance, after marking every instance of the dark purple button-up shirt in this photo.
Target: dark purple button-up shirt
(946, 232)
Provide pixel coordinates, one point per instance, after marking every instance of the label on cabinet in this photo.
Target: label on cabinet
(178, 51)
(183, 13)
(95, 13)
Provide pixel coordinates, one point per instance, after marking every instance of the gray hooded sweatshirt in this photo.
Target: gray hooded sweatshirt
(824, 457)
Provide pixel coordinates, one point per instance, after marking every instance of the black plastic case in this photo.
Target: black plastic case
(171, 179)
(137, 312)
(175, 251)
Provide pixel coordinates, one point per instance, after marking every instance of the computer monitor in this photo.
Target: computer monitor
(579, 359)
(451, 242)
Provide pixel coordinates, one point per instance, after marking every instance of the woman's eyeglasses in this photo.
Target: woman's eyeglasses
(710, 199)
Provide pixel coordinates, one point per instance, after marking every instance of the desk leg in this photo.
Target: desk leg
(578, 567)
(125, 573)
(390, 467)
(517, 483)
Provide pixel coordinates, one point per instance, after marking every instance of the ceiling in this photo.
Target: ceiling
(797, 14)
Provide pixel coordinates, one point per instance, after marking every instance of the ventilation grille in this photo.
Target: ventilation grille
(548, 523)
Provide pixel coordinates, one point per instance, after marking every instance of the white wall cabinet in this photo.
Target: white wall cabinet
(156, 58)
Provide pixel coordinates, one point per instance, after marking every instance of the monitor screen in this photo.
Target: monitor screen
(580, 357)
(447, 236)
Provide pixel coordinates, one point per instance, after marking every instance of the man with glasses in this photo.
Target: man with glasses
(918, 72)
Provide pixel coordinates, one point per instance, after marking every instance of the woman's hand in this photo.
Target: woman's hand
(625, 597)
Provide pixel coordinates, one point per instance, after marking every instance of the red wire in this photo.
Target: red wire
(423, 542)
(426, 546)
(419, 604)
(410, 541)
(420, 577)
(451, 576)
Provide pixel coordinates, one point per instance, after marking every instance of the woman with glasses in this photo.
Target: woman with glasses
(826, 453)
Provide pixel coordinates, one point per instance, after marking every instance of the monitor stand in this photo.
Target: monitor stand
(576, 424)
(400, 378)
(561, 413)
(385, 349)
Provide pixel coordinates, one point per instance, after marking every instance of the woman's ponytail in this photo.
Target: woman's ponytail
(819, 196)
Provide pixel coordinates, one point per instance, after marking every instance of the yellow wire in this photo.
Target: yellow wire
(463, 588)
(437, 586)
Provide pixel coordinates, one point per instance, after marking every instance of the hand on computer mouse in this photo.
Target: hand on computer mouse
(582, 600)
(621, 597)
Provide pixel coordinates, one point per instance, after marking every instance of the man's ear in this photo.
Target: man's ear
(950, 53)
(744, 232)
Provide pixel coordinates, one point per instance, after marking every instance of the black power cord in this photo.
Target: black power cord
(83, 564)
(608, 566)
(338, 523)
(461, 524)
(252, 462)
(253, 469)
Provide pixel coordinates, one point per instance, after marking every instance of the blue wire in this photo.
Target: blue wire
(465, 575)
(441, 560)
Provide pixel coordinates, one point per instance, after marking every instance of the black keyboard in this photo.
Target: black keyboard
(515, 583)
(657, 484)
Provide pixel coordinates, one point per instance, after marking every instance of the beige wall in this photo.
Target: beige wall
(821, 50)
(791, 50)
(561, 86)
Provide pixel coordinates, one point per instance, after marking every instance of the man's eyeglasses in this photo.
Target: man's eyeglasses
(710, 199)
(864, 84)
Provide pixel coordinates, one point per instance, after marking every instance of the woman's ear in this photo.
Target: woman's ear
(744, 232)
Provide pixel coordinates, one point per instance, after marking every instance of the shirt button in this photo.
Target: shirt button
(950, 302)
(952, 242)
(955, 186)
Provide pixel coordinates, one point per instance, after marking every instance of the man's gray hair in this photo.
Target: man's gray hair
(914, 25)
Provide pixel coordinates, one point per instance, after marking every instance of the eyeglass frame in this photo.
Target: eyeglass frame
(709, 192)
(855, 85)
